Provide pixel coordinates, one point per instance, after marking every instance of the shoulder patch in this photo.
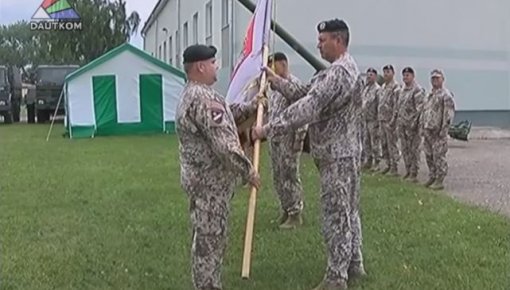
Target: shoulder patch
(217, 115)
(216, 112)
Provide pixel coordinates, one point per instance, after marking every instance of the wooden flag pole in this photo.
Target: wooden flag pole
(250, 221)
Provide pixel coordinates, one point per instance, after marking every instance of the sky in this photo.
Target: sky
(14, 10)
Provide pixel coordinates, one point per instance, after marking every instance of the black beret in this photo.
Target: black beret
(333, 25)
(277, 56)
(388, 67)
(408, 70)
(198, 52)
(371, 70)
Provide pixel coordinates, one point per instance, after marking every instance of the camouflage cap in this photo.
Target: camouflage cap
(436, 73)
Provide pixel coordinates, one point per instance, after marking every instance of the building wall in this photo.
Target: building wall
(207, 21)
(468, 39)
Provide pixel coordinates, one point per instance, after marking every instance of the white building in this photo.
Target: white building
(468, 39)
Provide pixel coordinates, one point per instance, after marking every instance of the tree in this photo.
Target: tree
(17, 47)
(105, 25)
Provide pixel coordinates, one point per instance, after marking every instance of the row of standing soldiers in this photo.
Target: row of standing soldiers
(393, 112)
(329, 107)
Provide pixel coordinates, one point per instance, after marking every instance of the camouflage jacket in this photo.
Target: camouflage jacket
(242, 112)
(209, 147)
(370, 98)
(388, 102)
(438, 111)
(277, 105)
(331, 105)
(410, 104)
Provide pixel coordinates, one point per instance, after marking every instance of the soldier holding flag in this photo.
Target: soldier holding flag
(331, 104)
(211, 158)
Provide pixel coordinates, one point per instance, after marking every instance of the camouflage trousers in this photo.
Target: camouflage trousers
(389, 139)
(209, 210)
(410, 139)
(435, 148)
(341, 223)
(371, 143)
(287, 182)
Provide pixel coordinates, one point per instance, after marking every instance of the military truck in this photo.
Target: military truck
(5, 95)
(10, 93)
(48, 87)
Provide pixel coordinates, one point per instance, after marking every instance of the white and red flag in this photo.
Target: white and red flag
(244, 83)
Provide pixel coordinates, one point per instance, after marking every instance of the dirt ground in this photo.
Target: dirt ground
(479, 173)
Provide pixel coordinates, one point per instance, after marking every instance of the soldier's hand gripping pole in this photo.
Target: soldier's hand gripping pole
(250, 221)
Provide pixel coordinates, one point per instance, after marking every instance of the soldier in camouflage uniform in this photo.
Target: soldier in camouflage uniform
(211, 158)
(438, 113)
(388, 112)
(331, 105)
(371, 143)
(410, 108)
(286, 151)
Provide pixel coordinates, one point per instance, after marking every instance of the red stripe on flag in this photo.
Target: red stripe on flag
(247, 46)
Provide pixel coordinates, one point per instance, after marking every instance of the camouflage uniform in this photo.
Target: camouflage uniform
(285, 154)
(331, 105)
(371, 142)
(410, 108)
(438, 113)
(388, 111)
(211, 159)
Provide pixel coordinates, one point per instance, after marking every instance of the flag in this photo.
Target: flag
(244, 83)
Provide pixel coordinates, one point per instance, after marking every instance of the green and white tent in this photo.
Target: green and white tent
(126, 91)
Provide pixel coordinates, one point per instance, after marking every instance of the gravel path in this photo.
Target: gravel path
(479, 173)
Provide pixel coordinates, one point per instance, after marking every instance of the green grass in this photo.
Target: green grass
(109, 213)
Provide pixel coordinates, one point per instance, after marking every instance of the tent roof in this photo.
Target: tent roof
(118, 50)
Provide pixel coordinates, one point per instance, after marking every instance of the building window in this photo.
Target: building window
(225, 34)
(177, 49)
(159, 52)
(185, 42)
(170, 50)
(195, 28)
(208, 23)
(164, 51)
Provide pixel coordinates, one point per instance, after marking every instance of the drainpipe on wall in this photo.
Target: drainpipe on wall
(180, 33)
(231, 36)
(156, 40)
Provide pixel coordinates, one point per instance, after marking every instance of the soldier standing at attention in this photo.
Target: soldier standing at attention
(388, 111)
(211, 158)
(285, 151)
(437, 116)
(410, 108)
(331, 104)
(371, 143)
